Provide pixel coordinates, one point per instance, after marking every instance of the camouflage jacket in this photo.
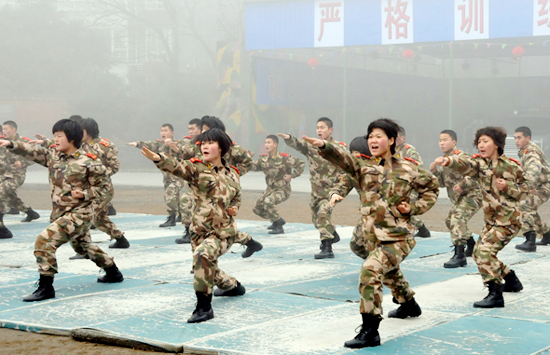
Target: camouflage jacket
(322, 175)
(385, 185)
(8, 169)
(449, 178)
(215, 189)
(69, 172)
(107, 153)
(408, 151)
(500, 208)
(159, 147)
(237, 156)
(534, 165)
(277, 167)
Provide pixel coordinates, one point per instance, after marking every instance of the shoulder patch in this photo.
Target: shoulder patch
(284, 154)
(188, 137)
(104, 143)
(53, 145)
(515, 161)
(198, 142)
(344, 144)
(195, 160)
(237, 170)
(457, 151)
(525, 151)
(105, 139)
(407, 146)
(411, 159)
(93, 156)
(362, 156)
(263, 155)
(476, 156)
(27, 139)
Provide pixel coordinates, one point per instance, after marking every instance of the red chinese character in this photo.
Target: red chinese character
(400, 21)
(329, 13)
(543, 12)
(472, 13)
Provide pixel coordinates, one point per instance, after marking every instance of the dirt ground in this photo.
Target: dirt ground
(150, 200)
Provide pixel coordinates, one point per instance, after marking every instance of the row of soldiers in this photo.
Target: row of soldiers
(393, 189)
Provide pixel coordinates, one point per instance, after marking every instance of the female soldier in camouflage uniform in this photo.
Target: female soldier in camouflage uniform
(76, 180)
(502, 185)
(386, 208)
(217, 194)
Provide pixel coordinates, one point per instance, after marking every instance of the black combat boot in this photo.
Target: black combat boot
(79, 257)
(203, 311)
(92, 226)
(111, 211)
(407, 309)
(4, 231)
(112, 275)
(238, 290)
(170, 221)
(470, 244)
(494, 298)
(31, 215)
(186, 239)
(271, 226)
(459, 259)
(120, 243)
(44, 291)
(278, 227)
(368, 336)
(178, 218)
(335, 238)
(529, 244)
(326, 250)
(423, 232)
(512, 283)
(251, 247)
(545, 239)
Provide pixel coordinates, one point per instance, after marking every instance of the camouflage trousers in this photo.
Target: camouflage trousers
(242, 238)
(187, 205)
(321, 213)
(101, 220)
(8, 195)
(265, 206)
(459, 215)
(71, 228)
(530, 218)
(492, 240)
(382, 268)
(172, 195)
(206, 252)
(358, 244)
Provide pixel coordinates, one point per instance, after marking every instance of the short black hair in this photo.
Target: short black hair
(327, 120)
(72, 130)
(196, 122)
(402, 131)
(360, 144)
(212, 122)
(217, 135)
(91, 127)
(497, 134)
(523, 129)
(12, 124)
(388, 126)
(76, 118)
(169, 126)
(274, 138)
(451, 133)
